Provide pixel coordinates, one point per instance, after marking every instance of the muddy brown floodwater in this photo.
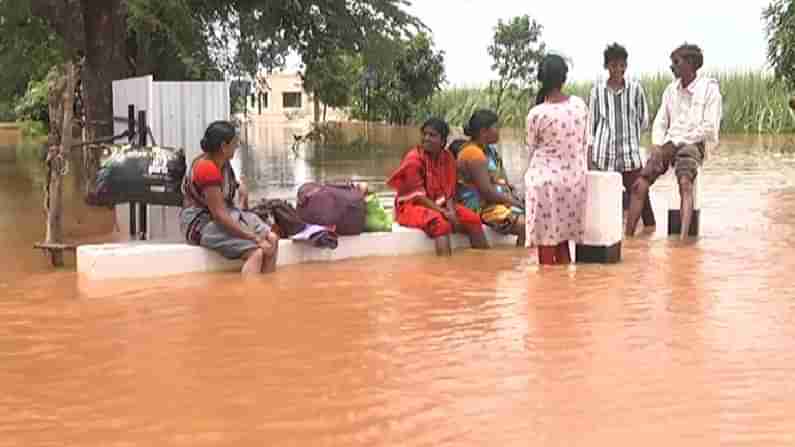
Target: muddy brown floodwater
(680, 344)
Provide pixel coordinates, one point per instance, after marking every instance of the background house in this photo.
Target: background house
(280, 97)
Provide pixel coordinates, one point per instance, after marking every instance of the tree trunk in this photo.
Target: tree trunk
(316, 103)
(67, 134)
(56, 84)
(97, 31)
(94, 31)
(106, 46)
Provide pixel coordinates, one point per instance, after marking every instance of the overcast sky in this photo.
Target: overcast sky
(731, 33)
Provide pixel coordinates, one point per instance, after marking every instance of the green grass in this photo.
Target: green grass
(753, 102)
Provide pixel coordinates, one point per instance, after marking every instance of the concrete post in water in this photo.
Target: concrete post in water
(602, 219)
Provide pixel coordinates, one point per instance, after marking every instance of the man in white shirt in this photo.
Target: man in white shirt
(685, 129)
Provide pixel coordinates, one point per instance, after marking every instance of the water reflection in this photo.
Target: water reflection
(278, 164)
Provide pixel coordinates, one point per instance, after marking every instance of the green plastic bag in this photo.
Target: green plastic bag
(378, 219)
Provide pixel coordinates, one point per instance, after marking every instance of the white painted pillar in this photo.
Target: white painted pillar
(603, 219)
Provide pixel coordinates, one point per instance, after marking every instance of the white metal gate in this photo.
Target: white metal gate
(177, 113)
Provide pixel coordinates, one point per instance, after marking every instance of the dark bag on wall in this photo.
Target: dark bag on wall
(138, 170)
(282, 214)
(339, 205)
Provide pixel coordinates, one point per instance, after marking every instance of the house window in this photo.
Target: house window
(263, 101)
(291, 100)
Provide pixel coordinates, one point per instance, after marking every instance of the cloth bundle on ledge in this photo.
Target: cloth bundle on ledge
(318, 236)
(288, 224)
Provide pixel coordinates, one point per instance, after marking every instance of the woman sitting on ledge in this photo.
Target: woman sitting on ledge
(425, 184)
(483, 185)
(209, 216)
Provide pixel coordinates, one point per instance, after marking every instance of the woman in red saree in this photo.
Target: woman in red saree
(425, 184)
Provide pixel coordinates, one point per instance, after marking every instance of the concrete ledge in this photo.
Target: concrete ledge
(154, 259)
(147, 259)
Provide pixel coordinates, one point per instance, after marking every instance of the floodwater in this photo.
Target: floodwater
(680, 344)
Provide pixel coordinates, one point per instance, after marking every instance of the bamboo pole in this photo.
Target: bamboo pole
(54, 204)
(57, 161)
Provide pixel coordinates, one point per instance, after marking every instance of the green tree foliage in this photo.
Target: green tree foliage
(780, 29)
(516, 51)
(163, 40)
(404, 84)
(332, 78)
(262, 32)
(27, 51)
(326, 34)
(166, 38)
(32, 106)
(420, 69)
(182, 39)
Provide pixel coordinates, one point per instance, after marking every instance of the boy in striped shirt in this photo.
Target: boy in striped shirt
(618, 114)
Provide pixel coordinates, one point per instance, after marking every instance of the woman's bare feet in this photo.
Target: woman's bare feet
(269, 261)
(270, 253)
(443, 246)
(253, 262)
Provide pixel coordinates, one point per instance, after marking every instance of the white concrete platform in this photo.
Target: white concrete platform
(603, 224)
(147, 259)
